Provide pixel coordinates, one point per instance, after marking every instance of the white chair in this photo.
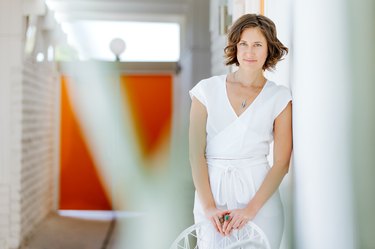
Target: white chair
(203, 236)
(247, 244)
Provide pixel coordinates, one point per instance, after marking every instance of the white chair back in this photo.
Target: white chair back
(203, 236)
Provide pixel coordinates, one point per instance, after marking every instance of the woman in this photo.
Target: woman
(233, 120)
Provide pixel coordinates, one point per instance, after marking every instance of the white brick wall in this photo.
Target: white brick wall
(29, 195)
(29, 123)
(15, 155)
(4, 214)
(38, 143)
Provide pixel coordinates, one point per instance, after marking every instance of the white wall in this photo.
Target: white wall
(218, 41)
(38, 150)
(28, 130)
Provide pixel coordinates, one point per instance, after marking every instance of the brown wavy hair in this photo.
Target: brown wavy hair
(276, 50)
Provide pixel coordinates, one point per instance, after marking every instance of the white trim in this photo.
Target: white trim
(98, 215)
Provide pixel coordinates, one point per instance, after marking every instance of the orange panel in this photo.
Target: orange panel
(150, 101)
(80, 185)
(262, 7)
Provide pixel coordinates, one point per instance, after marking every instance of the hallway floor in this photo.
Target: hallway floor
(69, 232)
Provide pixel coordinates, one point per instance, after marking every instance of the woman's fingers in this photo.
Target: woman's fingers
(227, 219)
(217, 224)
(225, 225)
(242, 224)
(214, 224)
(216, 217)
(237, 223)
(237, 219)
(229, 227)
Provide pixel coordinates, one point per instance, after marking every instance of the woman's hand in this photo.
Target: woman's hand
(237, 220)
(216, 216)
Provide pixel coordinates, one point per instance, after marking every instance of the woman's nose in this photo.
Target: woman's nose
(250, 50)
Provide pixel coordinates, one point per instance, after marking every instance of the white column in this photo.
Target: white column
(322, 112)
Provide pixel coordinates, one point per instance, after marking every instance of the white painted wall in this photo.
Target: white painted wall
(218, 41)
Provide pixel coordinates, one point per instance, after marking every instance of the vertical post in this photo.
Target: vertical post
(322, 104)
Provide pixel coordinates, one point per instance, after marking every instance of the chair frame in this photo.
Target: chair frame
(184, 236)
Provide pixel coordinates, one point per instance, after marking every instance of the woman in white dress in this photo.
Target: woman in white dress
(233, 120)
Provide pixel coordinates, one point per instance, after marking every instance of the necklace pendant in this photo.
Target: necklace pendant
(243, 104)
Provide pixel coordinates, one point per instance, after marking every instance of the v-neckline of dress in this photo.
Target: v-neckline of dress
(230, 104)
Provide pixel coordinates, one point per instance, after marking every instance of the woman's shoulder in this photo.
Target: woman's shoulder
(212, 80)
(207, 88)
(278, 89)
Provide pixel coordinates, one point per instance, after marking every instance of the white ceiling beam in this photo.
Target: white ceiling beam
(115, 6)
(108, 16)
(157, 11)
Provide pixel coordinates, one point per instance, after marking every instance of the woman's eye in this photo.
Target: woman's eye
(258, 45)
(242, 44)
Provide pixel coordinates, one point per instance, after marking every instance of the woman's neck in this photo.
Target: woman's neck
(249, 78)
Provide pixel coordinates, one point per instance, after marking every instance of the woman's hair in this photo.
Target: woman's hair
(276, 50)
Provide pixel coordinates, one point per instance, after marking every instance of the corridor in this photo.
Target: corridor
(61, 232)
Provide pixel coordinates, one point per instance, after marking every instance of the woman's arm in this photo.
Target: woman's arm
(197, 147)
(283, 144)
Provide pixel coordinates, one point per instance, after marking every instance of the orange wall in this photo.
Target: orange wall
(80, 185)
(149, 98)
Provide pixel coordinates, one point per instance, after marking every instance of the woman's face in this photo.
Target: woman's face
(252, 49)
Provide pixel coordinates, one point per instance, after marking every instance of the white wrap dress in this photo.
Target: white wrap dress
(237, 148)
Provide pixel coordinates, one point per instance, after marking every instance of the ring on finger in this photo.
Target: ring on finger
(221, 219)
(227, 217)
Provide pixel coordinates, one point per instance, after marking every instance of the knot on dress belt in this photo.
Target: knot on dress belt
(233, 188)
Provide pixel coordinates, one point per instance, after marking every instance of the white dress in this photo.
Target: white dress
(237, 148)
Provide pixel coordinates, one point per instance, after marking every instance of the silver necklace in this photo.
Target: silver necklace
(243, 104)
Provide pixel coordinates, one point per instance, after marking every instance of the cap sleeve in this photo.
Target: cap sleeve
(197, 91)
(283, 98)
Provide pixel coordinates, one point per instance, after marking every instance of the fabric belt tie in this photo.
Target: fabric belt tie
(233, 187)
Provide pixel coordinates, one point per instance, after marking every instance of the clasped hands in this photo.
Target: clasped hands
(225, 221)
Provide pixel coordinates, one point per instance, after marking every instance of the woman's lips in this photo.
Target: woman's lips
(250, 60)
